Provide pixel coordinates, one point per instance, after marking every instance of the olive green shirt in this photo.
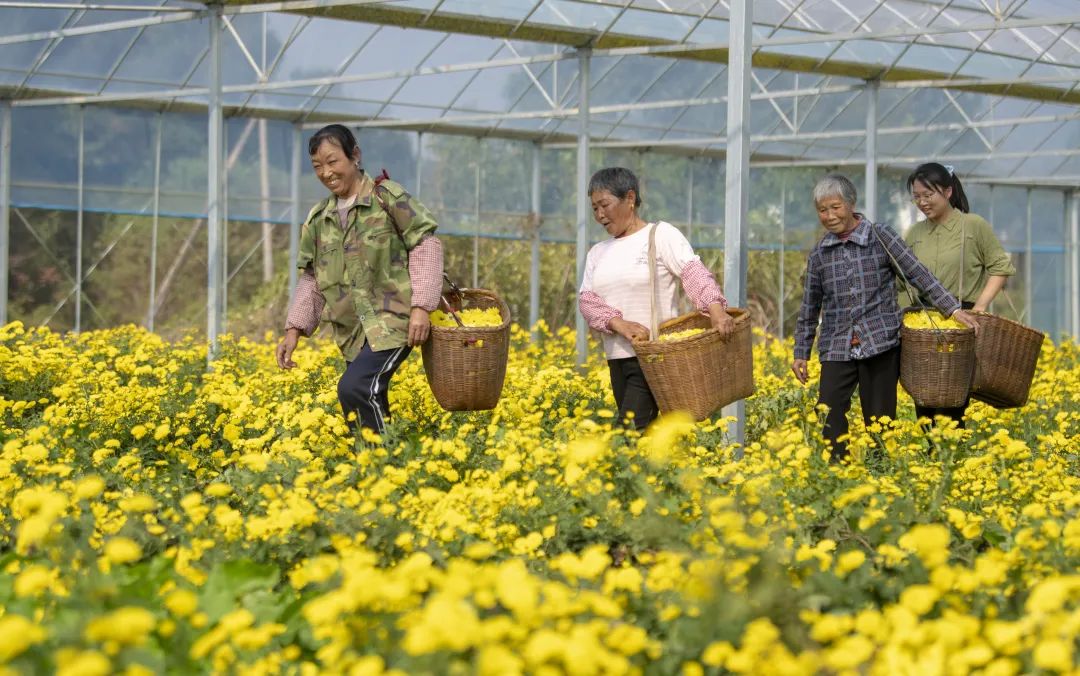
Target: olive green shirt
(939, 248)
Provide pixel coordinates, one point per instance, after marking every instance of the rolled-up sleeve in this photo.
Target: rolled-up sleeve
(995, 259)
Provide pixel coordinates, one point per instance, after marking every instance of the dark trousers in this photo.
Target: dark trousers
(957, 413)
(876, 378)
(632, 393)
(362, 388)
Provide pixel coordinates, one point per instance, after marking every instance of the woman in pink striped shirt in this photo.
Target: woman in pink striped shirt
(370, 257)
(614, 294)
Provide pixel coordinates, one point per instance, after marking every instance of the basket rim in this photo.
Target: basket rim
(504, 310)
(741, 318)
(1011, 322)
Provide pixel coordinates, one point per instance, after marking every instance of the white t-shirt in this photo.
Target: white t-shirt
(617, 270)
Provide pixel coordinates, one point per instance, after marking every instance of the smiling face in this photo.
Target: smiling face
(836, 215)
(616, 215)
(932, 202)
(335, 169)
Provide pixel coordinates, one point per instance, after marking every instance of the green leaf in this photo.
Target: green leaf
(230, 581)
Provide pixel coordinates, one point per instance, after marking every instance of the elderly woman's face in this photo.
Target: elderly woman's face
(336, 170)
(616, 215)
(836, 215)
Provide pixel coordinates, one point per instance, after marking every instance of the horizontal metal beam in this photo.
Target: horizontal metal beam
(845, 36)
(172, 15)
(824, 135)
(187, 92)
(912, 159)
(297, 6)
(256, 87)
(94, 29)
(4, 4)
(1058, 181)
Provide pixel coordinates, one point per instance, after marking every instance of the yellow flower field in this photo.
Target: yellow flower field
(155, 517)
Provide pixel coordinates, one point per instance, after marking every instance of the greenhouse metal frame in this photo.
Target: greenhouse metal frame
(576, 76)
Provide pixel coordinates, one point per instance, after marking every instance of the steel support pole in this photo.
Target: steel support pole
(1074, 262)
(476, 223)
(5, 205)
(214, 194)
(584, 56)
(419, 163)
(737, 176)
(871, 189)
(1029, 268)
(79, 221)
(534, 259)
(992, 221)
(294, 201)
(264, 203)
(690, 202)
(227, 165)
(783, 236)
(152, 300)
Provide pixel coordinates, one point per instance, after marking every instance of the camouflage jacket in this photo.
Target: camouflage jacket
(362, 270)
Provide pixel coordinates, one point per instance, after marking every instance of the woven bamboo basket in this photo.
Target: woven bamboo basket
(702, 373)
(1006, 353)
(936, 365)
(466, 366)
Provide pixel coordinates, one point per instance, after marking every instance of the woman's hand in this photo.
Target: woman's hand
(419, 326)
(801, 369)
(630, 330)
(965, 318)
(721, 320)
(286, 347)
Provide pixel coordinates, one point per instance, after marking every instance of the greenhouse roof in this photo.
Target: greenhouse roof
(990, 85)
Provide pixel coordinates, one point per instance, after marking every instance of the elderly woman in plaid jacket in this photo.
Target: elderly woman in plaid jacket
(850, 284)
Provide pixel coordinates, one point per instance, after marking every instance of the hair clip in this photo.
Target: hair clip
(949, 168)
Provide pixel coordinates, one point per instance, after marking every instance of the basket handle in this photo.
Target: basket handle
(654, 312)
(907, 284)
(450, 308)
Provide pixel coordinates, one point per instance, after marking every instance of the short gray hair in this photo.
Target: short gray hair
(836, 185)
(618, 181)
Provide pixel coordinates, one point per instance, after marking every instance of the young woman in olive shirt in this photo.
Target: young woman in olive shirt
(959, 247)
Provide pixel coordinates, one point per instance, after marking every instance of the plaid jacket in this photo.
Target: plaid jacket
(853, 283)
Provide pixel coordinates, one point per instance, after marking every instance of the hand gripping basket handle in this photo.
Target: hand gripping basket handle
(654, 312)
(907, 283)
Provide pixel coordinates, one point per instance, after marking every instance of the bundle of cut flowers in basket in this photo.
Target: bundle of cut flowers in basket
(679, 335)
(469, 317)
(931, 320)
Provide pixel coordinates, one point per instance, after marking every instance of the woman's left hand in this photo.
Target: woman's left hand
(419, 326)
(721, 320)
(964, 318)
